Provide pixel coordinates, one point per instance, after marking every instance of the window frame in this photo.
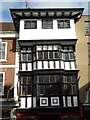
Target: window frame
(30, 24)
(2, 93)
(63, 24)
(5, 51)
(87, 28)
(70, 83)
(47, 24)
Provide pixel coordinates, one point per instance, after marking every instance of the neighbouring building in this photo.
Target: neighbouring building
(7, 70)
(83, 60)
(45, 64)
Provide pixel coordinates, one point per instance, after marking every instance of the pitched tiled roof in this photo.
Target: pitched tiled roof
(6, 26)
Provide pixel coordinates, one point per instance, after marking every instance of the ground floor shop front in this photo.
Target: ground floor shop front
(50, 114)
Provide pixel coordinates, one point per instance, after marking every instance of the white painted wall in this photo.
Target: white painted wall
(16, 76)
(39, 33)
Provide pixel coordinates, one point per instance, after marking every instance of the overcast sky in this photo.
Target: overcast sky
(5, 6)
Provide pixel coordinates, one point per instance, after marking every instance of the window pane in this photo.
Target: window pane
(66, 56)
(24, 57)
(60, 24)
(47, 24)
(50, 47)
(45, 55)
(40, 55)
(71, 55)
(63, 23)
(46, 78)
(40, 77)
(39, 48)
(2, 46)
(55, 47)
(56, 54)
(51, 77)
(41, 89)
(87, 27)
(69, 89)
(23, 90)
(67, 24)
(29, 57)
(2, 50)
(51, 55)
(45, 47)
(30, 25)
(1, 77)
(29, 90)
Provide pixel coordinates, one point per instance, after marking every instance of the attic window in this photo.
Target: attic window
(63, 24)
(30, 24)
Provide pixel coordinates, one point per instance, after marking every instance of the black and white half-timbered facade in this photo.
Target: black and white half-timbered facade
(47, 71)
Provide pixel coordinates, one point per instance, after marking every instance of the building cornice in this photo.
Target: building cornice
(55, 13)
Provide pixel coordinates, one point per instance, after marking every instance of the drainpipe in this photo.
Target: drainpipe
(9, 91)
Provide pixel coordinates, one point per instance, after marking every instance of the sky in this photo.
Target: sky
(6, 5)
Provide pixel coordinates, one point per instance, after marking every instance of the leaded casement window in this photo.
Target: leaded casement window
(70, 85)
(63, 24)
(3, 51)
(2, 77)
(47, 24)
(35, 90)
(68, 56)
(25, 85)
(47, 57)
(26, 59)
(87, 28)
(48, 84)
(55, 57)
(30, 24)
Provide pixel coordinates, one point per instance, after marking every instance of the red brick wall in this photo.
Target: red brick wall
(10, 52)
(9, 81)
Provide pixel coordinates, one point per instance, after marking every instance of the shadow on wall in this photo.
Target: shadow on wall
(85, 93)
(8, 91)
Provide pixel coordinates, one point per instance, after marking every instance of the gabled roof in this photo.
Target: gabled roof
(55, 13)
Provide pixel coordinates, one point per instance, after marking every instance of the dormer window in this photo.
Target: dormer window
(30, 24)
(63, 24)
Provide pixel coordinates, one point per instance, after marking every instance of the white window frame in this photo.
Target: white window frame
(5, 59)
(2, 93)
